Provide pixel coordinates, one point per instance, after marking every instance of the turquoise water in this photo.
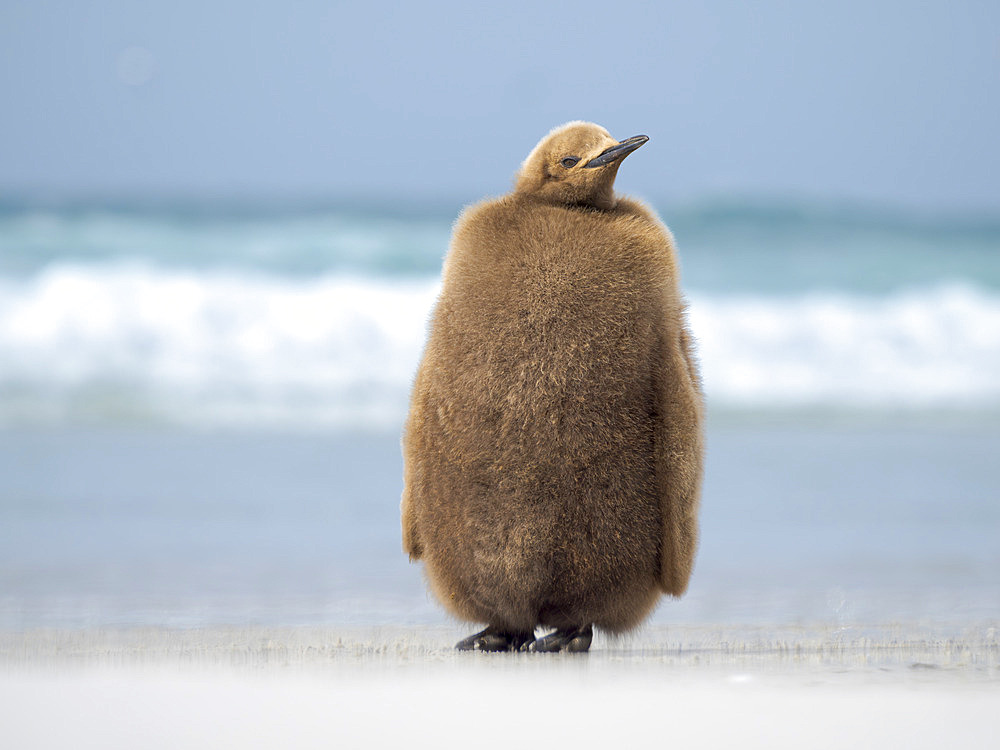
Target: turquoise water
(730, 247)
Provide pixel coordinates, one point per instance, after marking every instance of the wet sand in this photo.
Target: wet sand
(912, 685)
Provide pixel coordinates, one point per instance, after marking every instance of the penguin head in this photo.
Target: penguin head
(575, 165)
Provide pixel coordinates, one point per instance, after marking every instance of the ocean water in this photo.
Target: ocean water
(317, 318)
(200, 409)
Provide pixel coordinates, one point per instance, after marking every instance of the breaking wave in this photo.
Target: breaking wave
(119, 342)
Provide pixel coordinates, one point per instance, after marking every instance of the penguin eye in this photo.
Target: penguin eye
(569, 161)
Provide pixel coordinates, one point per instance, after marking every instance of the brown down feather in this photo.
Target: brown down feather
(553, 449)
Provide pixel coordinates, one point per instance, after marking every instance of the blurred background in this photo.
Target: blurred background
(221, 228)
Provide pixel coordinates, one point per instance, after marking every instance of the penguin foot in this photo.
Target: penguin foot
(571, 640)
(494, 639)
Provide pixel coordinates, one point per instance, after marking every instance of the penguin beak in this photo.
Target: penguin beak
(617, 152)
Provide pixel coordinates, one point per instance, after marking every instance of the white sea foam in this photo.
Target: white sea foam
(930, 349)
(211, 348)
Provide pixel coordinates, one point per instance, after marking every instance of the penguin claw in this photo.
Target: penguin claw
(493, 639)
(571, 640)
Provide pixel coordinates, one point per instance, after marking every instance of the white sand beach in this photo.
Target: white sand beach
(911, 686)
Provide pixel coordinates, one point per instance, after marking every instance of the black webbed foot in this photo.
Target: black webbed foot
(571, 640)
(494, 639)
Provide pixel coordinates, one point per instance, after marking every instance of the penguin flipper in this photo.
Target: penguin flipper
(412, 545)
(413, 466)
(679, 451)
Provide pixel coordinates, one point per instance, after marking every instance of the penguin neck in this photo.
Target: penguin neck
(601, 192)
(602, 198)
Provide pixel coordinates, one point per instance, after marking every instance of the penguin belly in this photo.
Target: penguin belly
(547, 507)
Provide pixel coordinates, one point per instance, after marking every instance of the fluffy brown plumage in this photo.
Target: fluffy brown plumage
(553, 450)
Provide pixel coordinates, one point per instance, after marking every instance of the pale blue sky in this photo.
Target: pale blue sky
(892, 102)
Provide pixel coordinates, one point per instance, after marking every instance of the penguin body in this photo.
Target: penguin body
(552, 453)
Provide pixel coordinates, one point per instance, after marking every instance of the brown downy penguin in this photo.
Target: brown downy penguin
(553, 450)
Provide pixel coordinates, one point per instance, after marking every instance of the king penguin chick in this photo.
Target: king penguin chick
(553, 449)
